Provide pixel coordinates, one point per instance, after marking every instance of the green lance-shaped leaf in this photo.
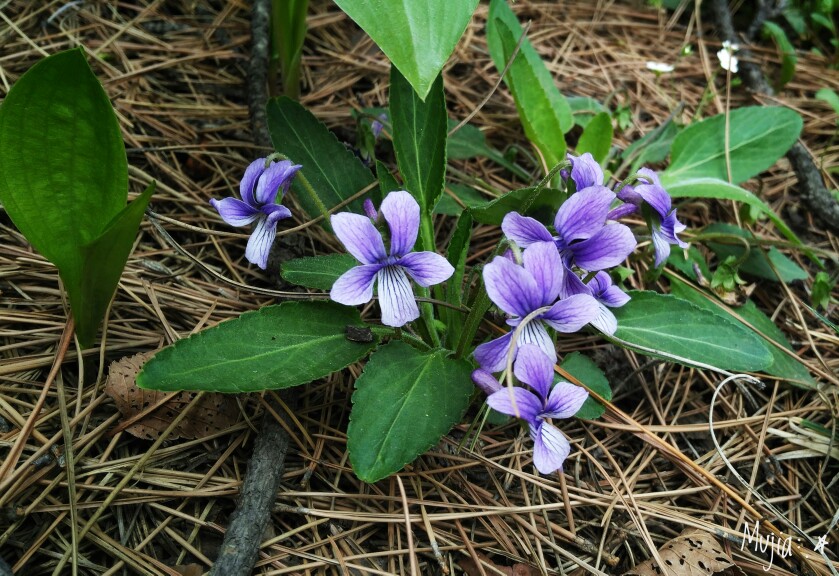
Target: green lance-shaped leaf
(64, 180)
(788, 57)
(318, 272)
(419, 139)
(418, 37)
(667, 327)
(274, 347)
(404, 402)
(543, 110)
(758, 136)
(333, 171)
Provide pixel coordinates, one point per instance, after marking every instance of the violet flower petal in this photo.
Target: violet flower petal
(355, 286)
(492, 355)
(275, 212)
(534, 333)
(396, 296)
(606, 292)
(235, 212)
(608, 247)
(621, 211)
(584, 213)
(662, 248)
(402, 214)
(426, 268)
(565, 400)
(550, 447)
(485, 381)
(511, 287)
(516, 401)
(534, 369)
(359, 237)
(585, 171)
(605, 320)
(653, 193)
(572, 313)
(524, 230)
(259, 244)
(276, 177)
(544, 263)
(248, 183)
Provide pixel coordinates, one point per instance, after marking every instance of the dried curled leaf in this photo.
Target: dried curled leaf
(148, 412)
(691, 553)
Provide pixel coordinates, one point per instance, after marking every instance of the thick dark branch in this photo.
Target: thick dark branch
(815, 196)
(258, 71)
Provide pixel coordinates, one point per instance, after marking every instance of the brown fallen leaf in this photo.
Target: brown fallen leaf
(691, 553)
(147, 413)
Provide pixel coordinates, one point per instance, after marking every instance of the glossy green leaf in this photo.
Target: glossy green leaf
(543, 207)
(333, 171)
(783, 365)
(419, 138)
(404, 402)
(274, 347)
(64, 180)
(785, 47)
(757, 263)
(597, 137)
(758, 136)
(317, 272)
(586, 371)
(667, 327)
(418, 37)
(544, 112)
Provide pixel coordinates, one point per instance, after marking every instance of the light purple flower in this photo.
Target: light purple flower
(361, 239)
(522, 290)
(485, 381)
(585, 171)
(259, 189)
(583, 237)
(664, 226)
(607, 295)
(377, 125)
(550, 447)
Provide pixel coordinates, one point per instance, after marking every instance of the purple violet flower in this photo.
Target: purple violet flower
(607, 295)
(361, 239)
(664, 226)
(520, 291)
(259, 189)
(377, 125)
(550, 447)
(585, 171)
(583, 237)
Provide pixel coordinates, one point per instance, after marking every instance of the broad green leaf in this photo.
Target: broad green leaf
(785, 47)
(331, 168)
(757, 263)
(468, 196)
(404, 402)
(758, 136)
(418, 37)
(64, 180)
(783, 365)
(274, 347)
(586, 371)
(317, 272)
(419, 138)
(544, 207)
(596, 137)
(584, 109)
(667, 327)
(720, 189)
(544, 112)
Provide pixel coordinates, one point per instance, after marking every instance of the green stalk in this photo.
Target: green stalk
(426, 309)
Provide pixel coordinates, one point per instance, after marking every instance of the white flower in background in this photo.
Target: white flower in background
(726, 56)
(660, 67)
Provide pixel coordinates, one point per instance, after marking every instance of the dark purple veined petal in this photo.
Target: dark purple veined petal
(608, 247)
(359, 237)
(275, 213)
(235, 212)
(585, 171)
(670, 229)
(572, 284)
(248, 183)
(535, 369)
(662, 248)
(355, 286)
(492, 355)
(259, 244)
(534, 333)
(402, 214)
(426, 268)
(516, 402)
(564, 401)
(572, 313)
(550, 447)
(543, 262)
(484, 380)
(524, 230)
(396, 297)
(621, 211)
(277, 176)
(511, 287)
(583, 214)
(606, 292)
